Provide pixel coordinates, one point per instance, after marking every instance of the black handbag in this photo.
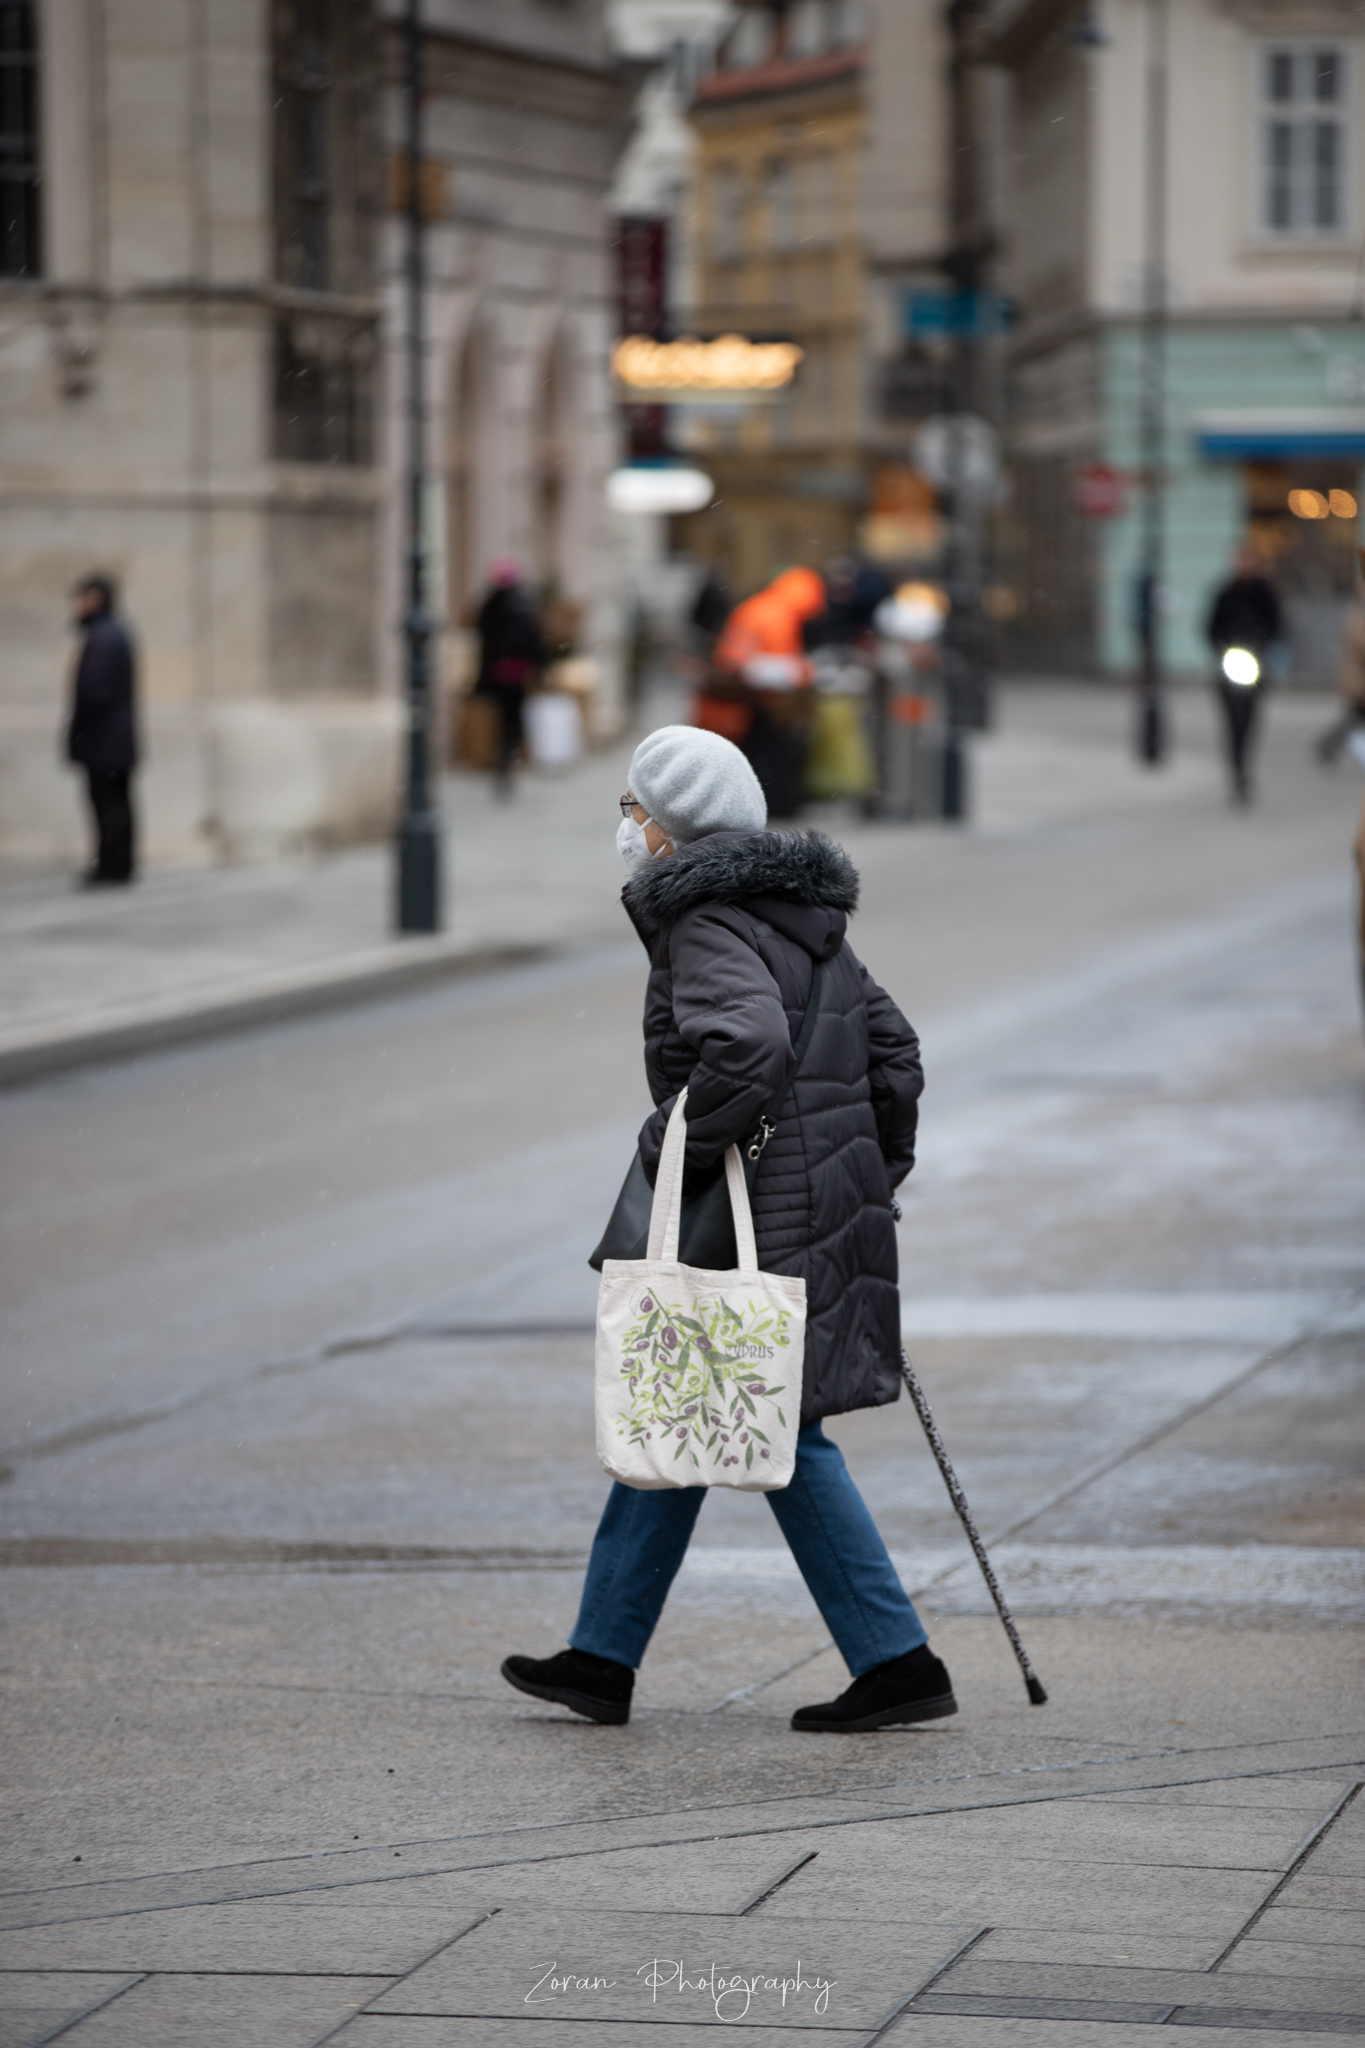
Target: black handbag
(707, 1237)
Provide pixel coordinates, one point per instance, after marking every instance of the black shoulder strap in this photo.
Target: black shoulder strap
(767, 1123)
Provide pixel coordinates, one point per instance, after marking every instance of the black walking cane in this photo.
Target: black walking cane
(959, 1500)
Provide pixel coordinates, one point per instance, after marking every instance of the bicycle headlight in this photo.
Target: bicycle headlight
(1241, 666)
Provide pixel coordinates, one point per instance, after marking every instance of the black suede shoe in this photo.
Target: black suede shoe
(915, 1687)
(595, 1686)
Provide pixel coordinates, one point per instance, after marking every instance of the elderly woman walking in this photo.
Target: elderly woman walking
(735, 919)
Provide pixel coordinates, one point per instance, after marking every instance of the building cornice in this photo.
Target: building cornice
(293, 486)
(1296, 17)
(783, 74)
(88, 296)
(531, 81)
(758, 116)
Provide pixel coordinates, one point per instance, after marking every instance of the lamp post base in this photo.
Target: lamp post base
(419, 872)
(954, 776)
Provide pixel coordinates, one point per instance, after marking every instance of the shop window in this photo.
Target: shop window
(1303, 92)
(1301, 523)
(19, 250)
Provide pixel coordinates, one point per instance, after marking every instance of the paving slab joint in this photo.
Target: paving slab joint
(403, 1975)
(1301, 1855)
(964, 1947)
(79, 2019)
(778, 1882)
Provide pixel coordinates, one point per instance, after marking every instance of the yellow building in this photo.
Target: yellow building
(818, 200)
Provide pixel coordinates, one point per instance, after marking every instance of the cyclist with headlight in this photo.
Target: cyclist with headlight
(1244, 624)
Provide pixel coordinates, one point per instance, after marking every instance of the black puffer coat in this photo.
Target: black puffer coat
(733, 924)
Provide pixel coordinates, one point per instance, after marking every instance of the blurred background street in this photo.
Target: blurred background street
(961, 408)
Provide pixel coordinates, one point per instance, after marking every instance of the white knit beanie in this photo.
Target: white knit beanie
(693, 782)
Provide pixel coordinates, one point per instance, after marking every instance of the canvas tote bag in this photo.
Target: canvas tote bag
(698, 1373)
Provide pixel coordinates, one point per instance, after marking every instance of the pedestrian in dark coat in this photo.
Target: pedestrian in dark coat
(102, 734)
(735, 919)
(1246, 615)
(512, 654)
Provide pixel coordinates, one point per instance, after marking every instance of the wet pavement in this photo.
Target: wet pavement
(298, 1401)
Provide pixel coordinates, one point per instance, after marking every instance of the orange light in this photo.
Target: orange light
(1308, 504)
(927, 595)
(730, 364)
(1343, 505)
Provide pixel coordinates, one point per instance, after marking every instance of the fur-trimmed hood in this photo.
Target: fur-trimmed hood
(800, 882)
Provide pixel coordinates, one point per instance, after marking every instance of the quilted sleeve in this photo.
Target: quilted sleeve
(728, 1009)
(896, 1077)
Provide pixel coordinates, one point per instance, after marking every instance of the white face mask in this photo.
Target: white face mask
(632, 845)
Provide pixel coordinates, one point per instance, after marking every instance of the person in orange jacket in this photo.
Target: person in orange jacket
(756, 693)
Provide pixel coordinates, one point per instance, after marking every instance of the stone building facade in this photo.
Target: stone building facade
(200, 380)
(1264, 374)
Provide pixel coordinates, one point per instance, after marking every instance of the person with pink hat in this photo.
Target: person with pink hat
(511, 656)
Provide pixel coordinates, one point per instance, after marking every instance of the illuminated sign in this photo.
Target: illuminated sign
(650, 487)
(731, 365)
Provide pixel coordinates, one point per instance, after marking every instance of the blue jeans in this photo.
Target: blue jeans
(642, 1537)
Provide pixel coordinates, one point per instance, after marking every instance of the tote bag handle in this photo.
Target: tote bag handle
(665, 1216)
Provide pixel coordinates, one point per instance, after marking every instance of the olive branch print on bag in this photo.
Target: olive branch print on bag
(698, 1373)
(699, 1377)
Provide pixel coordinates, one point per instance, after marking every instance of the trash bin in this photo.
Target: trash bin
(840, 761)
(909, 741)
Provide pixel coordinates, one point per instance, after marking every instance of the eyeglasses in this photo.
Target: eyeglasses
(627, 804)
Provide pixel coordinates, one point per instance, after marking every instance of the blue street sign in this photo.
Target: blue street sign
(937, 310)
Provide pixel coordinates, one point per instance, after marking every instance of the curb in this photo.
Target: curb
(261, 999)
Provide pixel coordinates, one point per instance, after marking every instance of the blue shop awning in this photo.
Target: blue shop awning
(1280, 436)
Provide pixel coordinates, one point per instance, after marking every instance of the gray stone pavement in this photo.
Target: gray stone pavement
(297, 1393)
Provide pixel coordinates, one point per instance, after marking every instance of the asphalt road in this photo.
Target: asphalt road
(297, 1364)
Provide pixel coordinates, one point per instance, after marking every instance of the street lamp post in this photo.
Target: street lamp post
(966, 265)
(419, 834)
(1151, 737)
